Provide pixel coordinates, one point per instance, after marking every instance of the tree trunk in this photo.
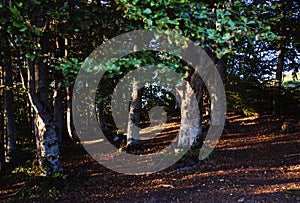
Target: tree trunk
(220, 65)
(191, 93)
(11, 129)
(191, 134)
(47, 142)
(133, 134)
(2, 149)
(280, 62)
(280, 66)
(58, 95)
(58, 105)
(197, 84)
(191, 98)
(101, 116)
(70, 125)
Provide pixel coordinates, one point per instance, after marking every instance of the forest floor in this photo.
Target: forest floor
(253, 162)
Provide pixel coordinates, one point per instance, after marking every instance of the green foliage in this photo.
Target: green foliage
(78, 27)
(249, 97)
(294, 85)
(38, 187)
(70, 68)
(157, 96)
(30, 174)
(219, 26)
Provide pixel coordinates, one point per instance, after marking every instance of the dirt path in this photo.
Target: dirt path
(253, 162)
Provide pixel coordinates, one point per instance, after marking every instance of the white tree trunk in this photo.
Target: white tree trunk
(190, 126)
(133, 134)
(70, 125)
(45, 123)
(47, 142)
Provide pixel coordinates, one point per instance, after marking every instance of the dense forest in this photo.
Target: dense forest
(47, 47)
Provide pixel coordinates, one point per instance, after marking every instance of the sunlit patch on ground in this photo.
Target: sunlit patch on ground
(251, 163)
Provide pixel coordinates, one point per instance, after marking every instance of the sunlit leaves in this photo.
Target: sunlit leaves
(201, 22)
(147, 11)
(15, 12)
(69, 67)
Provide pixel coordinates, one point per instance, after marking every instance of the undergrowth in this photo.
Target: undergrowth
(30, 183)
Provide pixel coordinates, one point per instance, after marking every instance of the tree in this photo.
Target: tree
(133, 135)
(49, 39)
(191, 126)
(11, 128)
(270, 59)
(217, 27)
(286, 59)
(18, 33)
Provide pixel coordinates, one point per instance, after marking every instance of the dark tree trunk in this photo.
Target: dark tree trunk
(58, 94)
(58, 105)
(8, 102)
(101, 116)
(280, 66)
(2, 149)
(220, 65)
(280, 62)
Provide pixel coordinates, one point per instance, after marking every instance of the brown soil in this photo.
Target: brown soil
(253, 162)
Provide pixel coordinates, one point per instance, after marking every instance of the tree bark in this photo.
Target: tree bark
(58, 106)
(101, 116)
(2, 148)
(197, 84)
(11, 129)
(47, 142)
(280, 66)
(70, 125)
(45, 125)
(280, 62)
(191, 103)
(133, 134)
(220, 65)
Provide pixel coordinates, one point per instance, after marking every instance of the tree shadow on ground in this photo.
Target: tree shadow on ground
(253, 162)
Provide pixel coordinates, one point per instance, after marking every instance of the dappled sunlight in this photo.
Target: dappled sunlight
(159, 130)
(241, 119)
(264, 180)
(91, 142)
(249, 162)
(272, 188)
(167, 133)
(257, 141)
(249, 123)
